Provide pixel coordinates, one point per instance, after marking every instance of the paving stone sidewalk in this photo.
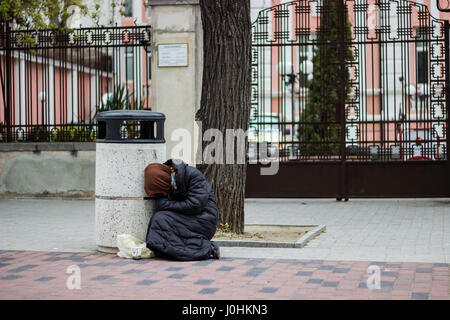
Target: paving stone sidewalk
(395, 230)
(44, 275)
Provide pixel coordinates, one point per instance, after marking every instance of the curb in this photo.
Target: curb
(300, 243)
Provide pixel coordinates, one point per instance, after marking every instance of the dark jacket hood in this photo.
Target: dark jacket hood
(180, 178)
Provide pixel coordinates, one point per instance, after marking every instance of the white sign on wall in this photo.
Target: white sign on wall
(173, 55)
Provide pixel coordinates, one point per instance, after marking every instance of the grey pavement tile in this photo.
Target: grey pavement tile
(103, 264)
(23, 268)
(133, 271)
(311, 265)
(253, 262)
(11, 277)
(441, 265)
(268, 290)
(341, 270)
(227, 259)
(291, 261)
(204, 281)
(141, 261)
(389, 273)
(146, 282)
(45, 279)
(174, 269)
(203, 263)
(316, 281)
(102, 277)
(424, 270)
(4, 265)
(330, 284)
(419, 296)
(387, 284)
(71, 258)
(304, 273)
(326, 267)
(112, 280)
(316, 261)
(121, 263)
(208, 290)
(254, 272)
(5, 259)
(53, 259)
(75, 258)
(177, 276)
(55, 253)
(225, 268)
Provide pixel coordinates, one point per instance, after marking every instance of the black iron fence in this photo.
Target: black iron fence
(53, 83)
(352, 98)
(337, 80)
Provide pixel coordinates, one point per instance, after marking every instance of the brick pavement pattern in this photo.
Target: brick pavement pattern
(44, 275)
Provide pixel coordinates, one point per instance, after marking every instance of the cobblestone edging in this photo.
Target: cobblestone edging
(300, 243)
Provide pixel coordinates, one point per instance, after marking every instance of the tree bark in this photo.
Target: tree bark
(225, 99)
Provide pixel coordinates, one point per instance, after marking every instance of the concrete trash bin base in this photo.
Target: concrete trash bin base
(121, 204)
(114, 217)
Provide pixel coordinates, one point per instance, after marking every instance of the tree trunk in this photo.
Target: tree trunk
(225, 99)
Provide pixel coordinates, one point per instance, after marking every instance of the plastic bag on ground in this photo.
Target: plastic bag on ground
(131, 247)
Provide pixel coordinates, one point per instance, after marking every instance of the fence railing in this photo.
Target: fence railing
(53, 83)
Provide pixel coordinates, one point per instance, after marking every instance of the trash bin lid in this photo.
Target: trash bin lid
(112, 126)
(130, 115)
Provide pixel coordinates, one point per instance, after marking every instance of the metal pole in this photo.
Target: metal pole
(8, 82)
(292, 153)
(341, 26)
(447, 82)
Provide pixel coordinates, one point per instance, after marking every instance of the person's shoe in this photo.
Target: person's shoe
(215, 251)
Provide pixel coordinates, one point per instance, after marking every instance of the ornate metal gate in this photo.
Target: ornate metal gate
(351, 97)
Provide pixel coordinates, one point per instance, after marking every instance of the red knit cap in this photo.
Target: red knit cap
(157, 179)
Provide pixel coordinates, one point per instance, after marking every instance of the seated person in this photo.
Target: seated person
(186, 213)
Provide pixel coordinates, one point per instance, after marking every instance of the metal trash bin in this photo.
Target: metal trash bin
(127, 141)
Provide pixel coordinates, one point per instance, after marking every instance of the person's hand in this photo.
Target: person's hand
(161, 203)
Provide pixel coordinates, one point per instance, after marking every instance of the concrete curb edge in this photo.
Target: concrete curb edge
(300, 243)
(309, 236)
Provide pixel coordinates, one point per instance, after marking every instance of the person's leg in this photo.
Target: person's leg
(170, 235)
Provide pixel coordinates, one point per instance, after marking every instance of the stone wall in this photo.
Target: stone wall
(66, 169)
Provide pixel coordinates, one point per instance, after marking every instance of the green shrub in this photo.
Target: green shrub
(38, 134)
(74, 134)
(120, 99)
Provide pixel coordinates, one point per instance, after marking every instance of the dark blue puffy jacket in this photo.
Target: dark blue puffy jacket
(185, 221)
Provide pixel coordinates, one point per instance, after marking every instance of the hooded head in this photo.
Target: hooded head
(157, 179)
